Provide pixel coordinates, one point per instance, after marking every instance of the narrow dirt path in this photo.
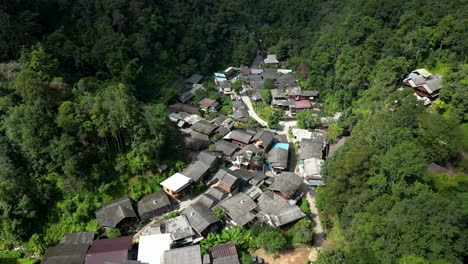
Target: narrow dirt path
(319, 234)
(246, 99)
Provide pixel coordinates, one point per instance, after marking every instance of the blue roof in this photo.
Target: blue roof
(281, 145)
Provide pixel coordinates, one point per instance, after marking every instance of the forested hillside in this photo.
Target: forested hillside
(84, 86)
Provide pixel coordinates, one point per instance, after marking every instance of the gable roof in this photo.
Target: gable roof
(206, 102)
(276, 210)
(216, 192)
(240, 113)
(303, 104)
(207, 201)
(226, 177)
(239, 208)
(184, 255)
(194, 79)
(186, 97)
(196, 170)
(278, 158)
(204, 127)
(199, 217)
(108, 250)
(72, 249)
(241, 136)
(178, 227)
(153, 202)
(112, 213)
(176, 182)
(227, 148)
(287, 183)
(310, 148)
(266, 137)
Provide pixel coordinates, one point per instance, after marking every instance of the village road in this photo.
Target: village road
(246, 99)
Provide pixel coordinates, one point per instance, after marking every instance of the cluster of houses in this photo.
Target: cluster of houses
(313, 149)
(426, 85)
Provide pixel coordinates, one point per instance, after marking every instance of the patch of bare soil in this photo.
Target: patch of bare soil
(296, 256)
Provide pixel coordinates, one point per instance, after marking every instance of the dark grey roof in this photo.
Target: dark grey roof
(112, 213)
(204, 127)
(240, 113)
(312, 148)
(247, 176)
(185, 97)
(218, 120)
(207, 158)
(310, 93)
(179, 228)
(226, 177)
(78, 238)
(277, 210)
(265, 136)
(227, 148)
(270, 73)
(277, 93)
(153, 202)
(196, 170)
(227, 260)
(199, 217)
(248, 148)
(278, 158)
(216, 192)
(241, 136)
(287, 183)
(197, 141)
(184, 255)
(207, 201)
(222, 130)
(70, 254)
(239, 208)
(188, 108)
(281, 138)
(286, 80)
(194, 79)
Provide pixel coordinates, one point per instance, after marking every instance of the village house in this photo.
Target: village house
(219, 78)
(204, 127)
(311, 168)
(179, 229)
(201, 167)
(263, 139)
(225, 147)
(230, 72)
(240, 112)
(194, 79)
(151, 247)
(72, 249)
(279, 99)
(248, 157)
(269, 73)
(112, 250)
(175, 185)
(223, 254)
(426, 85)
(278, 157)
(202, 220)
(197, 141)
(153, 205)
(314, 147)
(207, 104)
(276, 211)
(286, 185)
(271, 59)
(186, 97)
(239, 209)
(225, 127)
(184, 255)
(240, 137)
(297, 94)
(249, 178)
(117, 213)
(299, 106)
(226, 181)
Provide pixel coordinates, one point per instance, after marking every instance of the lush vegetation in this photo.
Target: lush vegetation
(84, 86)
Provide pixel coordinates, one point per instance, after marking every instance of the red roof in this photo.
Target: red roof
(206, 102)
(303, 104)
(113, 249)
(223, 250)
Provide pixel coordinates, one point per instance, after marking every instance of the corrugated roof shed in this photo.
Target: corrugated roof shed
(185, 255)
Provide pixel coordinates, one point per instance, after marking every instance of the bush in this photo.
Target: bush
(305, 207)
(307, 120)
(171, 215)
(271, 241)
(301, 232)
(219, 213)
(113, 232)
